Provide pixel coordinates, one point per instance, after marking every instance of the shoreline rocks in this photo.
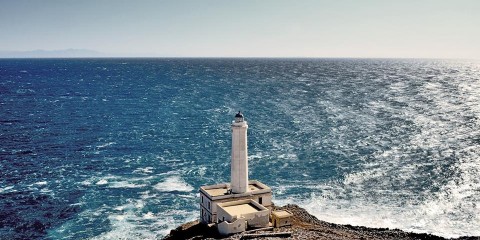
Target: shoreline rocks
(304, 226)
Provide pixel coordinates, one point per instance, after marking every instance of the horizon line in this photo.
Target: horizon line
(230, 57)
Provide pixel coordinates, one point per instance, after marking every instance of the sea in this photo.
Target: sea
(118, 148)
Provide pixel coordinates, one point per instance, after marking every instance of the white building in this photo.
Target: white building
(239, 188)
(236, 216)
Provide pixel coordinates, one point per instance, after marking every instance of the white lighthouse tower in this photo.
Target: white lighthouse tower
(230, 204)
(239, 165)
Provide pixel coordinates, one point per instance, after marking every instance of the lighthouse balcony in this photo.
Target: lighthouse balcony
(222, 190)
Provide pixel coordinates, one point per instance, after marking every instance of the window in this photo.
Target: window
(202, 199)
(209, 206)
(260, 200)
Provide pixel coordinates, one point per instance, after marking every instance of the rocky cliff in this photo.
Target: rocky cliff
(304, 226)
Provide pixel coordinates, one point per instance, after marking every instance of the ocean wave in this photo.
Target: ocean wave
(385, 143)
(173, 184)
(7, 189)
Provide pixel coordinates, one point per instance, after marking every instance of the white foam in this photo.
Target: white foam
(112, 181)
(449, 213)
(147, 195)
(255, 156)
(173, 183)
(41, 183)
(45, 190)
(125, 226)
(202, 170)
(148, 215)
(102, 182)
(105, 145)
(5, 189)
(144, 170)
(129, 221)
(125, 184)
(289, 156)
(86, 183)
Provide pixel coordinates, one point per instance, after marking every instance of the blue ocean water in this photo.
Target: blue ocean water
(117, 148)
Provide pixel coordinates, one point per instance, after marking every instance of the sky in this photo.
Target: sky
(246, 28)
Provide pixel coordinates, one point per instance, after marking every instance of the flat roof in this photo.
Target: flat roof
(244, 208)
(253, 187)
(222, 189)
(217, 191)
(281, 213)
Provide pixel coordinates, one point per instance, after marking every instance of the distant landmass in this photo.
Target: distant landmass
(63, 53)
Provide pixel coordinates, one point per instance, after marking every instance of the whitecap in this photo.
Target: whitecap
(129, 221)
(255, 156)
(148, 215)
(105, 145)
(5, 189)
(125, 184)
(24, 91)
(41, 183)
(125, 226)
(102, 182)
(143, 170)
(172, 184)
(289, 156)
(86, 183)
(202, 170)
(45, 190)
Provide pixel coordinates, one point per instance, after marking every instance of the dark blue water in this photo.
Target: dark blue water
(117, 148)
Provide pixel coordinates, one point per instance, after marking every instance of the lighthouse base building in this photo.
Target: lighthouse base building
(211, 196)
(242, 203)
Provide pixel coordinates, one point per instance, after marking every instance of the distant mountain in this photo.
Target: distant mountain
(65, 53)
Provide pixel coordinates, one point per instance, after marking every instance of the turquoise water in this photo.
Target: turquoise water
(117, 148)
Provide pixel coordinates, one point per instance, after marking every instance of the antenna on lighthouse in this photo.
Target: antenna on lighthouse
(239, 165)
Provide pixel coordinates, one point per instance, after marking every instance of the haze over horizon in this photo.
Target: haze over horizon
(366, 29)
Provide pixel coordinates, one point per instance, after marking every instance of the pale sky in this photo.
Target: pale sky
(246, 28)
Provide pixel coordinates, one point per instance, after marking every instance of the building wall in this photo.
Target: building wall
(263, 199)
(224, 216)
(226, 228)
(239, 165)
(207, 215)
(280, 222)
(260, 219)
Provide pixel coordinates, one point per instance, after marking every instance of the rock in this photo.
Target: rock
(305, 226)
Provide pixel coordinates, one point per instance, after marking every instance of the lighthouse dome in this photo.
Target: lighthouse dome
(239, 117)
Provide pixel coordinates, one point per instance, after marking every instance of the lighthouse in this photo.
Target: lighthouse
(239, 165)
(242, 202)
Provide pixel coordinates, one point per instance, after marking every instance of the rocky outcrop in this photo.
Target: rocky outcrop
(304, 226)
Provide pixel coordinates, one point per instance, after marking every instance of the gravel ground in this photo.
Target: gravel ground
(304, 226)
